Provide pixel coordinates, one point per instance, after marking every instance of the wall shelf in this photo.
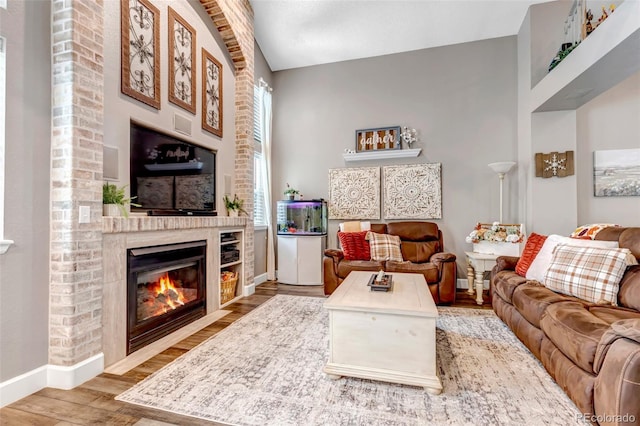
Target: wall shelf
(382, 154)
(605, 58)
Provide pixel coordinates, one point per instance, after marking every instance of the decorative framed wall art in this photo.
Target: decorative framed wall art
(211, 94)
(554, 164)
(616, 173)
(412, 191)
(384, 138)
(182, 62)
(140, 51)
(354, 193)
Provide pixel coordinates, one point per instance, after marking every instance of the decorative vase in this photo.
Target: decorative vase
(233, 213)
(111, 210)
(291, 197)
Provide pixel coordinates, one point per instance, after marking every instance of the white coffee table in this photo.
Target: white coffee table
(388, 336)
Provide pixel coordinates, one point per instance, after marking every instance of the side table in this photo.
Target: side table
(477, 265)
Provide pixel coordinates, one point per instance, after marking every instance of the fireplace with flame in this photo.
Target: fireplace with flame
(166, 290)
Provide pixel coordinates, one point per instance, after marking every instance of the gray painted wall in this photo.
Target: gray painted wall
(24, 269)
(461, 99)
(610, 121)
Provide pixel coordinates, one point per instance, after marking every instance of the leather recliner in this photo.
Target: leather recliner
(422, 250)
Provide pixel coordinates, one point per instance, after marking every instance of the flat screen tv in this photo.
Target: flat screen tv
(171, 176)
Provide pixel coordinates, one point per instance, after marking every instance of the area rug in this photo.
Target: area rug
(266, 369)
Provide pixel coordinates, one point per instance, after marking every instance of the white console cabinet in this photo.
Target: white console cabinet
(300, 259)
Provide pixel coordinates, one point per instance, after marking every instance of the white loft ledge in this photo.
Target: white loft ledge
(382, 154)
(4, 245)
(608, 56)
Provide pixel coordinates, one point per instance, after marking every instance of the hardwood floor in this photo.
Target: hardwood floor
(93, 402)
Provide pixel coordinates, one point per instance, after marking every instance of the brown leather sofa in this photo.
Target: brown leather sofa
(422, 249)
(591, 351)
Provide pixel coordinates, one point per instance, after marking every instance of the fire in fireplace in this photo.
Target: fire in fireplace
(166, 290)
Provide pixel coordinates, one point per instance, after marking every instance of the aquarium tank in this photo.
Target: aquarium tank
(302, 217)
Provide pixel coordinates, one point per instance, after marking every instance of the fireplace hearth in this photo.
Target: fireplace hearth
(166, 290)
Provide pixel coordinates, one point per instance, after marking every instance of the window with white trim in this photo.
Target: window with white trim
(4, 244)
(259, 217)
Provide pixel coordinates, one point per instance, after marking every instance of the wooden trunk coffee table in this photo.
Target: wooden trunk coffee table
(388, 336)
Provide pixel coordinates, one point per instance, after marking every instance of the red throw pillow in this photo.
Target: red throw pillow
(531, 249)
(354, 246)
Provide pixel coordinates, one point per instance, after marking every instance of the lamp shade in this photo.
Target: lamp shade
(502, 166)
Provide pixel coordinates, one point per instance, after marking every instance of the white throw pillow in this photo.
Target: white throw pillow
(541, 262)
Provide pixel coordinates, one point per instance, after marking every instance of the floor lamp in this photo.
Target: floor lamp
(501, 168)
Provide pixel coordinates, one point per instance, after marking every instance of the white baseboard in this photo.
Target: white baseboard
(464, 284)
(259, 279)
(23, 385)
(69, 377)
(53, 376)
(249, 289)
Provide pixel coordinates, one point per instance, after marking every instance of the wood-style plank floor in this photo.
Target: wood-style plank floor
(93, 403)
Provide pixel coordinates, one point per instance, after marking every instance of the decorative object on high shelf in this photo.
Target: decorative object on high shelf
(211, 94)
(615, 173)
(501, 168)
(234, 207)
(497, 238)
(140, 51)
(558, 164)
(572, 33)
(354, 193)
(114, 201)
(409, 136)
(182, 62)
(413, 191)
(594, 13)
(290, 192)
(383, 138)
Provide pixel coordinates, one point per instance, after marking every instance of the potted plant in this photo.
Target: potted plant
(291, 192)
(234, 207)
(114, 201)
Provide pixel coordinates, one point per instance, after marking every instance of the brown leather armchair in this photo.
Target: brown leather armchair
(422, 249)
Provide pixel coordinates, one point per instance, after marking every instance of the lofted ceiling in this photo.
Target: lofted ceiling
(299, 33)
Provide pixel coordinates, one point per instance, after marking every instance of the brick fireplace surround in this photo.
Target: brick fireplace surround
(79, 326)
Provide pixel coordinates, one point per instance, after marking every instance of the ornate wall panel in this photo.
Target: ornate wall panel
(354, 193)
(413, 191)
(140, 51)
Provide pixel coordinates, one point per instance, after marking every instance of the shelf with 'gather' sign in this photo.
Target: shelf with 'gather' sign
(381, 154)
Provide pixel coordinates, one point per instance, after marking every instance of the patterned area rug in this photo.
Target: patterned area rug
(266, 369)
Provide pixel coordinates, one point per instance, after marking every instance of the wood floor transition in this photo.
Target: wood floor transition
(93, 402)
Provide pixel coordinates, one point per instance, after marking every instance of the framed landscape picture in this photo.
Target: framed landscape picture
(182, 62)
(211, 94)
(616, 173)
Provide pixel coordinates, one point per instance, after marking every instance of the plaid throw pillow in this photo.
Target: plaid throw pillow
(589, 273)
(384, 247)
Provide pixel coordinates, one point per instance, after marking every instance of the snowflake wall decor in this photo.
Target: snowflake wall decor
(413, 191)
(558, 164)
(354, 193)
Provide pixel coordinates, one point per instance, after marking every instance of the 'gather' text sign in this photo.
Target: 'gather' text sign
(383, 138)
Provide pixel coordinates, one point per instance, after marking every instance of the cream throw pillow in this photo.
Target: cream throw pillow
(541, 262)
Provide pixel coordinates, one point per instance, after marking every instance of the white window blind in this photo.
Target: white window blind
(258, 174)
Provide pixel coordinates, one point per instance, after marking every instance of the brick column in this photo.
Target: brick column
(76, 180)
(234, 21)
